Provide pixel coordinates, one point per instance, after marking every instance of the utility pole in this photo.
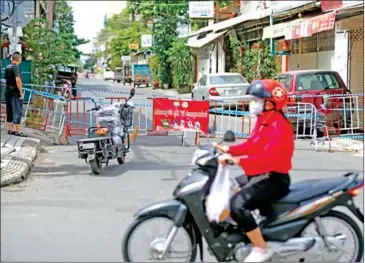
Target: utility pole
(14, 25)
(2, 9)
(50, 13)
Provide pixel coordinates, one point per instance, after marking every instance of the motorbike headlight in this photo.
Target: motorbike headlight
(198, 156)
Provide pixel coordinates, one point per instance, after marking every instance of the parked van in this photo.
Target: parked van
(119, 76)
(108, 74)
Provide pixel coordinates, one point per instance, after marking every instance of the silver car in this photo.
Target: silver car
(221, 88)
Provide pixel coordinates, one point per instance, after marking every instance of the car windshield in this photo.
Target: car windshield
(227, 79)
(118, 70)
(318, 81)
(66, 69)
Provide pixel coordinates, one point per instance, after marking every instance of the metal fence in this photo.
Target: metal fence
(339, 115)
(42, 111)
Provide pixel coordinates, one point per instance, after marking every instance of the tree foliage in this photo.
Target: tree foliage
(65, 20)
(253, 62)
(119, 32)
(46, 49)
(49, 48)
(182, 64)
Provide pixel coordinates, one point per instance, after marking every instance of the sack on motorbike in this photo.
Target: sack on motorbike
(218, 201)
(117, 140)
(109, 117)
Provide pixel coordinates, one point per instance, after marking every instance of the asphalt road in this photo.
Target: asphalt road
(64, 213)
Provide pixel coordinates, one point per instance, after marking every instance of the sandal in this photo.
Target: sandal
(20, 134)
(11, 132)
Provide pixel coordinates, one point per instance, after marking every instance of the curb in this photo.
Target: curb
(17, 158)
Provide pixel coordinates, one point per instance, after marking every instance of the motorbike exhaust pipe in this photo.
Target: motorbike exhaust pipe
(303, 244)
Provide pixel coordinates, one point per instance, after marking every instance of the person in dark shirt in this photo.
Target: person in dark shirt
(14, 95)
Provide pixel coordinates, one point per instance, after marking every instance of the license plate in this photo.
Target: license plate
(231, 92)
(88, 146)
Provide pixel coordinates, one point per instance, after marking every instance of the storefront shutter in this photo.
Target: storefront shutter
(356, 83)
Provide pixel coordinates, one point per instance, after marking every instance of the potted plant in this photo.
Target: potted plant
(164, 77)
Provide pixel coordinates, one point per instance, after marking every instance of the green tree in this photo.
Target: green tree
(182, 64)
(50, 48)
(46, 49)
(119, 32)
(167, 14)
(64, 21)
(253, 62)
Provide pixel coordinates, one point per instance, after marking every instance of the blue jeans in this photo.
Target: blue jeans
(14, 109)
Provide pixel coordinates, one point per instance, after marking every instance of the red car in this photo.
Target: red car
(312, 86)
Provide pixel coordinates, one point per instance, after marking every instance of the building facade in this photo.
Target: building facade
(14, 21)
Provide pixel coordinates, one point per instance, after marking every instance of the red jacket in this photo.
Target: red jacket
(270, 147)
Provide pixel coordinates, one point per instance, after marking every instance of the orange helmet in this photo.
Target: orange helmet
(271, 91)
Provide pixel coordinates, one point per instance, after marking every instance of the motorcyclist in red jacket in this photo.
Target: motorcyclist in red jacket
(266, 158)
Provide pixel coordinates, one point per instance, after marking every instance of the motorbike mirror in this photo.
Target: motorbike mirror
(132, 92)
(94, 102)
(229, 136)
(212, 128)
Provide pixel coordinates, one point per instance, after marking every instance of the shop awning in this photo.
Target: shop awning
(279, 30)
(279, 7)
(224, 25)
(198, 43)
(304, 27)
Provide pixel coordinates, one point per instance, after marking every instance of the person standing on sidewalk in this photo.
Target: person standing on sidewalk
(14, 95)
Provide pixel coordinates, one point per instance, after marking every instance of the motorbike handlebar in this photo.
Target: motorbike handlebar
(229, 162)
(96, 108)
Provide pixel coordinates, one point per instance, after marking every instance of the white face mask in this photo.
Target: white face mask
(256, 107)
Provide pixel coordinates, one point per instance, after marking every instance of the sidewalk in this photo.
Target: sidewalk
(350, 145)
(18, 154)
(167, 92)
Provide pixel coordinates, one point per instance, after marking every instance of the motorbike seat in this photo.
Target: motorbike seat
(309, 189)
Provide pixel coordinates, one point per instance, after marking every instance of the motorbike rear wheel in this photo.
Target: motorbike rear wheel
(346, 222)
(95, 166)
(157, 242)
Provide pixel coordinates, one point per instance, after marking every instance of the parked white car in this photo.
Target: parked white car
(221, 86)
(108, 74)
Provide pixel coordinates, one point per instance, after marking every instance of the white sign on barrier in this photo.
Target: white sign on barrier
(201, 9)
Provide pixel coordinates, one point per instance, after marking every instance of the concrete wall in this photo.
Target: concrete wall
(203, 63)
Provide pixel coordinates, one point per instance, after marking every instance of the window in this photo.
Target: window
(326, 40)
(286, 80)
(317, 81)
(203, 81)
(227, 79)
(309, 44)
(294, 46)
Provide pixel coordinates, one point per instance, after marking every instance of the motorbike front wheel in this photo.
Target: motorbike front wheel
(95, 166)
(146, 248)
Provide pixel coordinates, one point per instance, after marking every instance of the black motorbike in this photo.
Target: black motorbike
(110, 138)
(296, 227)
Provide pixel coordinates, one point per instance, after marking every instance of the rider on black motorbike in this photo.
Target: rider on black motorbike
(266, 158)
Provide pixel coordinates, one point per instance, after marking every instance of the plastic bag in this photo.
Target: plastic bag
(108, 116)
(117, 140)
(218, 202)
